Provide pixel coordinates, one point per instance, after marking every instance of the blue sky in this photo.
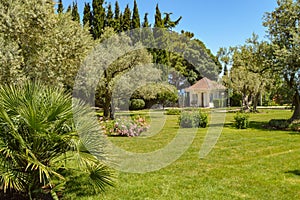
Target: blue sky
(218, 23)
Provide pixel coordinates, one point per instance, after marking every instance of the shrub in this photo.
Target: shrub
(241, 120)
(137, 104)
(124, 127)
(192, 119)
(37, 130)
(173, 112)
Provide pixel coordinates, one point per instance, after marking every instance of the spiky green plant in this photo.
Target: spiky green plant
(39, 136)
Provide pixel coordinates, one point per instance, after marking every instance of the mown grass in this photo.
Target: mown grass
(254, 163)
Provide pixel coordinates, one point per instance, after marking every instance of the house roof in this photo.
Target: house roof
(205, 84)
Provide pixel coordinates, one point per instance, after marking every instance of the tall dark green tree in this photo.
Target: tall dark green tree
(135, 23)
(158, 23)
(98, 18)
(87, 15)
(146, 21)
(60, 7)
(69, 9)
(109, 20)
(126, 19)
(117, 17)
(74, 13)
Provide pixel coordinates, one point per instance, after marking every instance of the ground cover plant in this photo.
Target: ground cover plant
(253, 163)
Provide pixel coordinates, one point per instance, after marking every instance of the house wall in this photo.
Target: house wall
(195, 98)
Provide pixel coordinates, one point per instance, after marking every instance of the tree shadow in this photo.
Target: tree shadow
(294, 133)
(295, 172)
(79, 185)
(259, 125)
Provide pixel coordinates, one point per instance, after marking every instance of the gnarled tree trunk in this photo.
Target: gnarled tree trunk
(296, 114)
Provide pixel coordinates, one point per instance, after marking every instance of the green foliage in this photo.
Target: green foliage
(158, 23)
(136, 23)
(109, 20)
(192, 119)
(283, 29)
(126, 19)
(38, 137)
(137, 104)
(98, 18)
(87, 15)
(34, 45)
(173, 111)
(146, 21)
(157, 93)
(74, 13)
(117, 18)
(241, 120)
(60, 7)
(128, 59)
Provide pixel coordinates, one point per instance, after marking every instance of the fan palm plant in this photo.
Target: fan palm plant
(39, 137)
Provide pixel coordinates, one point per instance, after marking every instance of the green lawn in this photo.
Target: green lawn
(245, 164)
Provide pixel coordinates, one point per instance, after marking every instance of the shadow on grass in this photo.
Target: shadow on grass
(259, 125)
(78, 185)
(295, 172)
(295, 133)
(224, 125)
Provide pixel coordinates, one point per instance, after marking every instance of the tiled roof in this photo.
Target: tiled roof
(205, 84)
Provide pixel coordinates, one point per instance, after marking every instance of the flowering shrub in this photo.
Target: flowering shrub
(124, 126)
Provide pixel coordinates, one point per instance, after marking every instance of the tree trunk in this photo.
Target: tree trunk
(255, 102)
(246, 106)
(106, 109)
(296, 114)
(107, 105)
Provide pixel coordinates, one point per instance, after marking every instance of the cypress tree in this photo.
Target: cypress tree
(87, 15)
(117, 11)
(117, 17)
(74, 13)
(135, 23)
(146, 22)
(109, 21)
(126, 19)
(158, 20)
(60, 7)
(69, 9)
(98, 18)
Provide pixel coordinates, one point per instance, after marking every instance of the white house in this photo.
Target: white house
(203, 92)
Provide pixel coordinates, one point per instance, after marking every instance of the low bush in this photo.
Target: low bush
(193, 119)
(173, 112)
(241, 120)
(137, 104)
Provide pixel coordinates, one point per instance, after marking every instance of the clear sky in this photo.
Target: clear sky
(218, 23)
